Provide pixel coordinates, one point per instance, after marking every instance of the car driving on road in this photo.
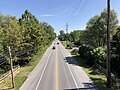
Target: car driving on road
(53, 47)
(57, 42)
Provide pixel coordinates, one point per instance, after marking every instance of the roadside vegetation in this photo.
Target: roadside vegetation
(28, 39)
(99, 79)
(92, 46)
(66, 44)
(25, 71)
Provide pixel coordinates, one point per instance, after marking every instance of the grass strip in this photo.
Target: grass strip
(64, 43)
(98, 80)
(24, 71)
(22, 76)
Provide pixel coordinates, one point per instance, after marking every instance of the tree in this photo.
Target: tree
(48, 32)
(62, 35)
(31, 30)
(1, 42)
(96, 28)
(115, 52)
(25, 37)
(75, 37)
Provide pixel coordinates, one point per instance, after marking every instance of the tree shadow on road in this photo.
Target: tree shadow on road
(76, 60)
(98, 79)
(70, 60)
(87, 86)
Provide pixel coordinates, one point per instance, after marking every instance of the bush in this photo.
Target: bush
(100, 55)
(93, 56)
(77, 43)
(115, 66)
(85, 52)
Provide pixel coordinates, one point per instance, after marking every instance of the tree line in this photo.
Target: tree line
(25, 36)
(92, 41)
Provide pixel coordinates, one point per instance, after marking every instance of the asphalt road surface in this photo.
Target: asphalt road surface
(57, 70)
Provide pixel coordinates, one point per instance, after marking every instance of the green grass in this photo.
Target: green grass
(99, 80)
(24, 71)
(22, 76)
(1, 72)
(64, 43)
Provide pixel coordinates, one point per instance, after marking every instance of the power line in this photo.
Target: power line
(75, 10)
(3, 62)
(83, 6)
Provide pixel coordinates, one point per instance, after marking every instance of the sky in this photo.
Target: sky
(57, 12)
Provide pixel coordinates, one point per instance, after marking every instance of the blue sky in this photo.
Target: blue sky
(58, 12)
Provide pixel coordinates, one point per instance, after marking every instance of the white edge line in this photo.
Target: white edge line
(71, 74)
(43, 72)
(73, 77)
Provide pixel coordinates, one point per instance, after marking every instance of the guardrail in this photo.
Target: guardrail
(7, 74)
(104, 71)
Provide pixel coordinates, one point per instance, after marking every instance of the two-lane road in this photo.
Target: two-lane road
(57, 70)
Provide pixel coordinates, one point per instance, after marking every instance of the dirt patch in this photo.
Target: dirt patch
(6, 83)
(14, 73)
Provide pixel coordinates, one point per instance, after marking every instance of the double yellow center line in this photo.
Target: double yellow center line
(56, 74)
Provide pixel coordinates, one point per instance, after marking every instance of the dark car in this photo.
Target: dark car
(53, 47)
(71, 47)
(57, 42)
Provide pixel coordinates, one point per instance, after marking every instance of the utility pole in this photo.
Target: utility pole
(108, 46)
(66, 33)
(11, 65)
(66, 28)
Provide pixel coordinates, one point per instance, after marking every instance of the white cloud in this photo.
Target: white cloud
(47, 15)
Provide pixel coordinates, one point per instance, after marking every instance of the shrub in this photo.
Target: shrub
(99, 55)
(85, 52)
(93, 56)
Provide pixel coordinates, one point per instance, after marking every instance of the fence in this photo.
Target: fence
(7, 74)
